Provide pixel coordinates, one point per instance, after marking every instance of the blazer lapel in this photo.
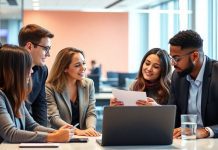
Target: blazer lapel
(23, 117)
(184, 97)
(66, 98)
(82, 102)
(205, 87)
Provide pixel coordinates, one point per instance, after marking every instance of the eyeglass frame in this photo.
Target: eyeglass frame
(45, 48)
(176, 59)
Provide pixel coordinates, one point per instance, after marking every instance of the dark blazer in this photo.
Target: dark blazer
(96, 71)
(209, 100)
(36, 103)
(9, 132)
(60, 110)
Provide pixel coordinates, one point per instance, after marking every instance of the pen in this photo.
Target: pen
(74, 127)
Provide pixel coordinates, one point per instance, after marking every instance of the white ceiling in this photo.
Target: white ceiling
(124, 5)
(8, 11)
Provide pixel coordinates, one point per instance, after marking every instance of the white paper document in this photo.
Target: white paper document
(129, 98)
(39, 145)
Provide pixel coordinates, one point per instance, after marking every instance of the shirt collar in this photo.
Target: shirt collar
(200, 76)
(35, 68)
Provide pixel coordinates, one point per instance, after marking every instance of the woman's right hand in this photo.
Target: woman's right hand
(148, 102)
(87, 132)
(60, 136)
(115, 102)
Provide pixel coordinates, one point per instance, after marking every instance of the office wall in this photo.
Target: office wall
(102, 36)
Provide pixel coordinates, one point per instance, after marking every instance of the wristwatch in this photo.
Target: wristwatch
(208, 132)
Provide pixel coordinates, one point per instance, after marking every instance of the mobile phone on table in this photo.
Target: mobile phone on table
(79, 140)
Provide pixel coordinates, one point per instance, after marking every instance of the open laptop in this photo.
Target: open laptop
(134, 125)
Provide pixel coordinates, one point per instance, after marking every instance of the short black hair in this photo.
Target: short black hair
(187, 39)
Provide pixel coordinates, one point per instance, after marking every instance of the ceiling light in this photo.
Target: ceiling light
(35, 4)
(36, 8)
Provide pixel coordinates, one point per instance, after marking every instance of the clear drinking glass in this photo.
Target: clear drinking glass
(188, 126)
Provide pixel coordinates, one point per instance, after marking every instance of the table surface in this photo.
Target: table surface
(199, 144)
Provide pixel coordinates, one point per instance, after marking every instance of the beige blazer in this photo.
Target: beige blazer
(59, 106)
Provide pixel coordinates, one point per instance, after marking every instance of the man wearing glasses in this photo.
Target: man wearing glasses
(37, 40)
(194, 85)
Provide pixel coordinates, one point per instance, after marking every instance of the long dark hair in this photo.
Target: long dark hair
(15, 66)
(164, 80)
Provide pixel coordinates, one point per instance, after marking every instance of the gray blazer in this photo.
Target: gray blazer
(59, 106)
(9, 132)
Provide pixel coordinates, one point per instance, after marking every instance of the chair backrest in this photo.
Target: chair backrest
(122, 78)
(112, 74)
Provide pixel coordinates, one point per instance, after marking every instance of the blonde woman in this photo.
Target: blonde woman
(70, 96)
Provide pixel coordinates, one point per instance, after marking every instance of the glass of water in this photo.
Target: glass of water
(188, 126)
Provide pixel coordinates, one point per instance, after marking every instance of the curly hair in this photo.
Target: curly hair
(187, 39)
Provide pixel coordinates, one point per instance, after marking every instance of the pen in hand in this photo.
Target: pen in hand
(74, 127)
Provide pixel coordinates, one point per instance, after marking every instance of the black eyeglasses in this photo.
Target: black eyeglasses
(45, 48)
(176, 59)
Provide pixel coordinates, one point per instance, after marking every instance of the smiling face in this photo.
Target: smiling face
(77, 67)
(38, 52)
(151, 68)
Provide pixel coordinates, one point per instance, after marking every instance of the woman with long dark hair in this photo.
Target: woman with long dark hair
(153, 78)
(16, 125)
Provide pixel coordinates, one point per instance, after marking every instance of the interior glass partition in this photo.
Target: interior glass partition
(167, 19)
(10, 20)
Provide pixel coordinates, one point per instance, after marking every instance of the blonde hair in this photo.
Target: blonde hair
(57, 77)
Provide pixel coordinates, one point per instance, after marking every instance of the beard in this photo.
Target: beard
(188, 70)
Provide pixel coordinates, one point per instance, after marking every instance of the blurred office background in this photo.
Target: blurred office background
(116, 33)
